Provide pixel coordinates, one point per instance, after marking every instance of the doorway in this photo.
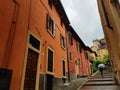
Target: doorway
(49, 83)
(31, 70)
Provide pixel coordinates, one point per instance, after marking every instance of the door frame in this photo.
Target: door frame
(76, 68)
(28, 46)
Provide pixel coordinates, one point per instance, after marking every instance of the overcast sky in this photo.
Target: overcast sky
(84, 18)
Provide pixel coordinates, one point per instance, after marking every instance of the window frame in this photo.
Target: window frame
(70, 54)
(62, 41)
(49, 72)
(51, 25)
(70, 39)
(78, 46)
(108, 24)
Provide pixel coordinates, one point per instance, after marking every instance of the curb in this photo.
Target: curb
(88, 80)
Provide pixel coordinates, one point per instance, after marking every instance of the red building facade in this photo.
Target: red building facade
(78, 63)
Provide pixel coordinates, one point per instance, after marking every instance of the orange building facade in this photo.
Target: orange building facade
(33, 53)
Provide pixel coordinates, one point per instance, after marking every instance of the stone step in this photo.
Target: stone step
(107, 87)
(101, 79)
(103, 83)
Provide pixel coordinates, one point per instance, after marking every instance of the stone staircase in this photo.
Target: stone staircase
(98, 82)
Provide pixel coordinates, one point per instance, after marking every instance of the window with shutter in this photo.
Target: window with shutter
(70, 39)
(70, 56)
(117, 5)
(108, 24)
(79, 49)
(51, 25)
(86, 55)
(62, 41)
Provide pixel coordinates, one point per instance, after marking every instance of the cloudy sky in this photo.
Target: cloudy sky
(84, 18)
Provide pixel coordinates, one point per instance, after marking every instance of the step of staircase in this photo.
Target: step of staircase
(103, 83)
(101, 79)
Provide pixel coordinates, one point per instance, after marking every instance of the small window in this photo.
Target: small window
(50, 60)
(70, 56)
(118, 7)
(34, 42)
(62, 41)
(51, 25)
(61, 22)
(108, 24)
(80, 62)
(86, 55)
(70, 39)
(50, 3)
(79, 49)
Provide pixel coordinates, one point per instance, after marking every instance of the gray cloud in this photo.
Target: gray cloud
(84, 17)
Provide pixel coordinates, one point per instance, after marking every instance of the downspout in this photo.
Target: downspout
(67, 58)
(11, 36)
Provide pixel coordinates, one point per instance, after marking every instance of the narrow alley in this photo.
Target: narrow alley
(59, 44)
(98, 82)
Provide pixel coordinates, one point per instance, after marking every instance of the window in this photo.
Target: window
(34, 42)
(80, 62)
(108, 24)
(79, 49)
(62, 41)
(70, 38)
(51, 26)
(50, 60)
(61, 22)
(63, 67)
(86, 55)
(70, 55)
(50, 3)
(117, 5)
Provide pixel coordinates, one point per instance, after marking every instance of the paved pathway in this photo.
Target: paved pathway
(102, 83)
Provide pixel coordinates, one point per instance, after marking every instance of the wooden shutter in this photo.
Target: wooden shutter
(61, 39)
(64, 43)
(54, 28)
(48, 21)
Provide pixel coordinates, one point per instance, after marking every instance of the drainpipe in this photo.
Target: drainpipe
(11, 36)
(67, 57)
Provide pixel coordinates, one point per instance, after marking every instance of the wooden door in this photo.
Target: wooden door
(77, 69)
(31, 70)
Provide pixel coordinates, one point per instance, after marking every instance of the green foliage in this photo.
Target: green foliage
(96, 62)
